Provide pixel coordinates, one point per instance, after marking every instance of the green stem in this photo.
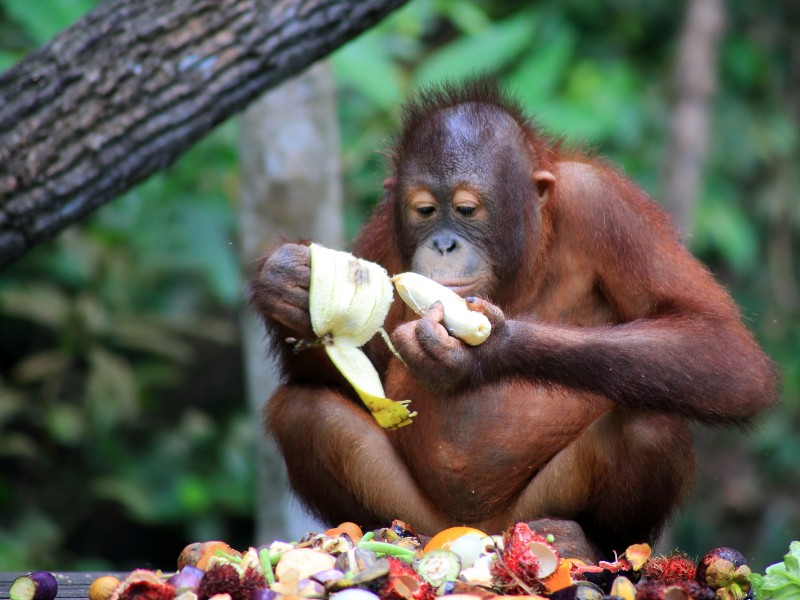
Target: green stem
(367, 537)
(388, 549)
(231, 558)
(266, 564)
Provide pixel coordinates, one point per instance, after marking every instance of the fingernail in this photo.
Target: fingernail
(471, 299)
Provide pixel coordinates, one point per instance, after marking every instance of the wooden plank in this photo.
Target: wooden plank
(70, 584)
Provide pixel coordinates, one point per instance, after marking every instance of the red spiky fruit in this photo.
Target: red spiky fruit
(252, 580)
(142, 584)
(222, 579)
(403, 583)
(669, 569)
(519, 564)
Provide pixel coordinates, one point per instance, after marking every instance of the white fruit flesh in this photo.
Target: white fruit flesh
(420, 292)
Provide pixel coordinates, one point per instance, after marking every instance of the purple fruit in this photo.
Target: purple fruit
(310, 588)
(325, 577)
(39, 585)
(263, 594)
(187, 579)
(719, 567)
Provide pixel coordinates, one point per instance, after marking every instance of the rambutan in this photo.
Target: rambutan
(526, 558)
(253, 579)
(669, 569)
(147, 590)
(142, 584)
(403, 583)
(222, 579)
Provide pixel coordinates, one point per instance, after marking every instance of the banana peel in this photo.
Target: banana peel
(349, 299)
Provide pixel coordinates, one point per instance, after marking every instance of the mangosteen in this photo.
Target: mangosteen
(723, 567)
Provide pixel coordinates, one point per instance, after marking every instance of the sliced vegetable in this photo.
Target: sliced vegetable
(438, 566)
(39, 585)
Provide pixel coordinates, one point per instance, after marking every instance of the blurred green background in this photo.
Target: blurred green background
(124, 431)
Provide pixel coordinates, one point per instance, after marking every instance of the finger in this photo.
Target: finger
(302, 276)
(435, 312)
(295, 319)
(492, 312)
(286, 275)
(403, 338)
(434, 338)
(293, 295)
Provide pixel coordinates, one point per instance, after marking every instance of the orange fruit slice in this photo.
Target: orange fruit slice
(445, 537)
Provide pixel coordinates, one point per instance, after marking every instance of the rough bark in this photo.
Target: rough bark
(695, 82)
(123, 92)
(291, 188)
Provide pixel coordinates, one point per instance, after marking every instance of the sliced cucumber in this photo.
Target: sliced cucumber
(439, 566)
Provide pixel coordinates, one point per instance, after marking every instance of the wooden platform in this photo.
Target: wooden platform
(70, 584)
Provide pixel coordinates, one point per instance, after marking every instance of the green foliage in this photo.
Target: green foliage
(487, 50)
(41, 21)
(117, 319)
(110, 418)
(782, 580)
(121, 400)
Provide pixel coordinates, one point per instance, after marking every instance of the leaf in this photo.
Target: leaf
(193, 495)
(466, 16)
(43, 304)
(490, 51)
(541, 71)
(111, 388)
(757, 584)
(129, 494)
(66, 424)
(368, 66)
(43, 19)
(141, 334)
(18, 445)
(601, 96)
(8, 59)
(792, 560)
(782, 580)
(41, 365)
(12, 403)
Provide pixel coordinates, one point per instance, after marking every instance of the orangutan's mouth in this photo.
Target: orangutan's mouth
(462, 288)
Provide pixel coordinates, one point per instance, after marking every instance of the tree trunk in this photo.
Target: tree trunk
(695, 82)
(291, 188)
(128, 88)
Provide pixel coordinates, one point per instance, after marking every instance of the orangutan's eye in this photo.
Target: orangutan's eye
(467, 211)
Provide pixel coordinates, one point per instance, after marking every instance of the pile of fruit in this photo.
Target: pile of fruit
(393, 563)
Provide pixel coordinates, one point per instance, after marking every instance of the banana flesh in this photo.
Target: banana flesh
(419, 292)
(349, 299)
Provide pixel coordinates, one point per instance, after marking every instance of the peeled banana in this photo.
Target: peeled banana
(419, 292)
(349, 299)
